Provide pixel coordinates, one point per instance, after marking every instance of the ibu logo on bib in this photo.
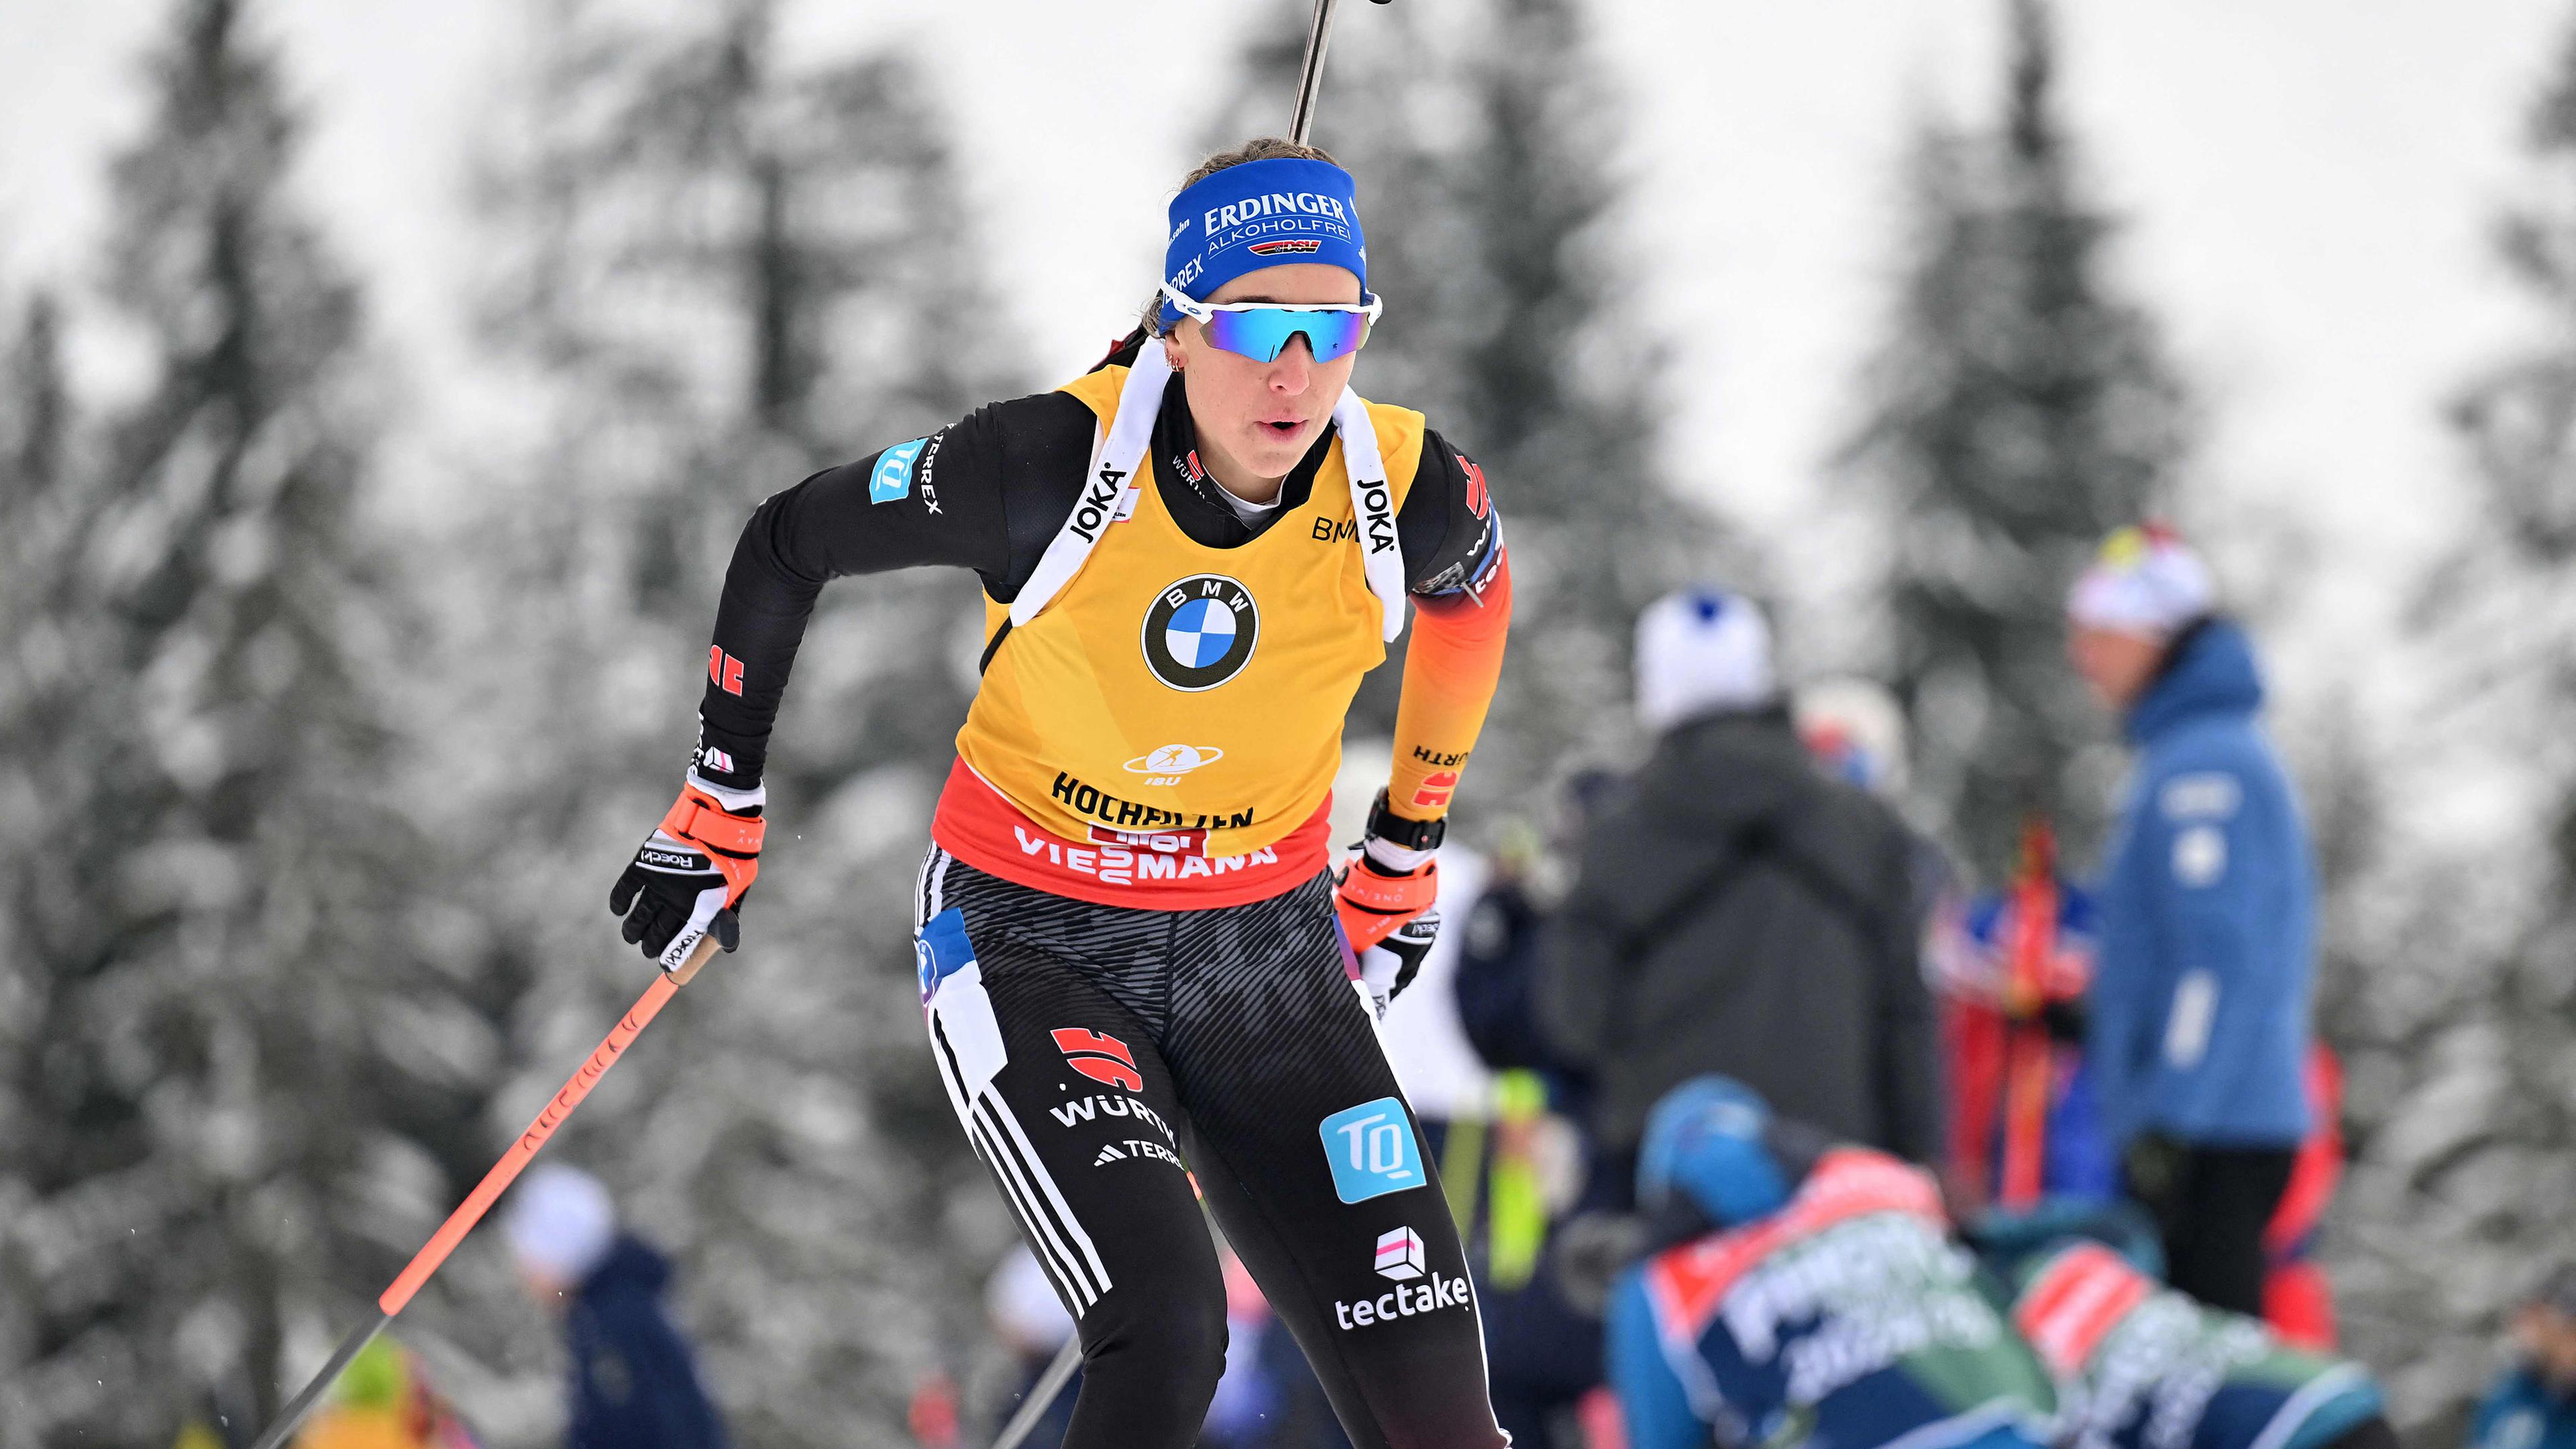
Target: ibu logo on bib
(1200, 632)
(1371, 1149)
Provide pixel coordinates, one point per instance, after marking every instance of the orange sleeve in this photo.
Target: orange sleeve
(1449, 676)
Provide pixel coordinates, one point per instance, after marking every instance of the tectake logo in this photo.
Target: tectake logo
(1399, 1257)
(1101, 1058)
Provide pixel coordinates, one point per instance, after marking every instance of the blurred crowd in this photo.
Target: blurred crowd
(1762, 1131)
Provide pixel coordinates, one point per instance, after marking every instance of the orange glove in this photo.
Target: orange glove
(1374, 898)
(689, 876)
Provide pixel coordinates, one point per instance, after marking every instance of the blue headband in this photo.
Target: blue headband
(1262, 214)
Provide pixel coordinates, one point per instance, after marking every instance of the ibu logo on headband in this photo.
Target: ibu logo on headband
(1262, 214)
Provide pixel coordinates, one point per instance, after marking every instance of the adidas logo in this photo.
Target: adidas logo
(1127, 1149)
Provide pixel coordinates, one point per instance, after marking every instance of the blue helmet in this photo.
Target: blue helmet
(1706, 1141)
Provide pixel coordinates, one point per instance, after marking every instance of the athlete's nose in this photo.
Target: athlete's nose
(1294, 367)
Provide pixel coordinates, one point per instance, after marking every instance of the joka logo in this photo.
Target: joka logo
(1101, 1058)
(1277, 245)
(1377, 515)
(1099, 503)
(1199, 632)
(1371, 1150)
(1399, 1256)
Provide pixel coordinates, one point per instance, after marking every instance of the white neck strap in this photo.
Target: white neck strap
(1118, 464)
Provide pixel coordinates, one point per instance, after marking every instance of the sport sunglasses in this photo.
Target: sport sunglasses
(1260, 330)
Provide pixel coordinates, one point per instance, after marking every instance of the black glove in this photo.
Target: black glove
(689, 877)
(1390, 966)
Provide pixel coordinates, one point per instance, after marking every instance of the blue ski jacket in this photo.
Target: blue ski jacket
(2199, 1005)
(2523, 1412)
(633, 1384)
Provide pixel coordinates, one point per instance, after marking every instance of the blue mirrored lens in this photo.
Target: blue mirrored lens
(1262, 335)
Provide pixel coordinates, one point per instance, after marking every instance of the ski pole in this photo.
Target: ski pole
(1042, 1394)
(1310, 77)
(479, 1201)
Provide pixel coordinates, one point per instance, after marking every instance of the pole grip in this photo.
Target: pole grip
(707, 948)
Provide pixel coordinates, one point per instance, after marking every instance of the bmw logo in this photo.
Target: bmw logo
(1200, 632)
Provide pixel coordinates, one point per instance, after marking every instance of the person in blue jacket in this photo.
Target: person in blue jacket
(2199, 1010)
(2534, 1405)
(634, 1384)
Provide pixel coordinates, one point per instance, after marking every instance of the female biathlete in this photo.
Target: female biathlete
(1133, 952)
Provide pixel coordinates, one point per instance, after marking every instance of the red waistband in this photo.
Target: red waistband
(1149, 870)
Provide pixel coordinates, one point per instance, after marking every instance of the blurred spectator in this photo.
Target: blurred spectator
(1736, 911)
(633, 1384)
(2533, 1406)
(1030, 1321)
(2140, 1366)
(382, 1401)
(1799, 1292)
(2011, 968)
(2298, 1301)
(1531, 1165)
(1856, 730)
(1497, 987)
(1268, 1397)
(2198, 1035)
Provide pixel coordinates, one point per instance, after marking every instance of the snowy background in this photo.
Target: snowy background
(384, 384)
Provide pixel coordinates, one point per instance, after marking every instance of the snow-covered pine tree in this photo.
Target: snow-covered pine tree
(233, 1070)
(1485, 151)
(2459, 1015)
(2019, 411)
(724, 269)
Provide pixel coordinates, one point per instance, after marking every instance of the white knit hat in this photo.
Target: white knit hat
(1700, 651)
(2144, 581)
(561, 1222)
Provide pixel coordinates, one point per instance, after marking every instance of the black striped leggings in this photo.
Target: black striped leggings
(1102, 1059)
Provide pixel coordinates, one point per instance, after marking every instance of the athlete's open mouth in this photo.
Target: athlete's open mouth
(1284, 427)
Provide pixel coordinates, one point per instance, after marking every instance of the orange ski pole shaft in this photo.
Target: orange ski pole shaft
(485, 1193)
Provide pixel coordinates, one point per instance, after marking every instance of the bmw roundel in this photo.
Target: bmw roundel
(1200, 632)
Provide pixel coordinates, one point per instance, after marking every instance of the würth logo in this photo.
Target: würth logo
(723, 670)
(1101, 1058)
